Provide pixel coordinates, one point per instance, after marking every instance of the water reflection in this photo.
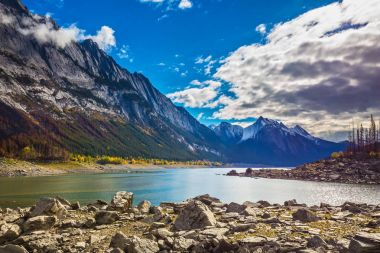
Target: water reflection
(177, 185)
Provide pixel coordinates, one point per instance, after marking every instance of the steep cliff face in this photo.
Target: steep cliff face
(72, 96)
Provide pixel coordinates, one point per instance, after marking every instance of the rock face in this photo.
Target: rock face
(81, 92)
(195, 215)
(48, 206)
(122, 201)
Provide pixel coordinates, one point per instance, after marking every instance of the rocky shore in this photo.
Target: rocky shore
(342, 170)
(201, 224)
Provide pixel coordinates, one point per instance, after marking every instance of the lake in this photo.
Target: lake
(158, 185)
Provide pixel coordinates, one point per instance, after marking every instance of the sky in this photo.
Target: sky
(307, 62)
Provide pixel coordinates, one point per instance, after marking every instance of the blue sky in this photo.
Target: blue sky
(165, 42)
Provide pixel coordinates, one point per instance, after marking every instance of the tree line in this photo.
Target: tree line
(364, 140)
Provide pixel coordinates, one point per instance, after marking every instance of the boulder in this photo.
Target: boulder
(182, 244)
(39, 223)
(144, 206)
(139, 245)
(122, 201)
(316, 242)
(9, 232)
(291, 202)
(194, 215)
(351, 207)
(49, 207)
(233, 173)
(235, 208)
(10, 248)
(120, 240)
(365, 242)
(263, 203)
(106, 217)
(207, 199)
(305, 215)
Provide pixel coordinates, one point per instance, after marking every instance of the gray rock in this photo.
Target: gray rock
(144, 206)
(10, 248)
(75, 206)
(207, 199)
(115, 250)
(48, 206)
(9, 232)
(120, 240)
(365, 242)
(291, 202)
(106, 217)
(194, 215)
(139, 245)
(253, 241)
(305, 215)
(235, 208)
(122, 201)
(39, 223)
(182, 244)
(316, 242)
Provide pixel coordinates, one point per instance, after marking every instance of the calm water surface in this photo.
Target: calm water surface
(177, 185)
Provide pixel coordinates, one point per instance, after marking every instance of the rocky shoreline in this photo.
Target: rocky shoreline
(201, 224)
(342, 170)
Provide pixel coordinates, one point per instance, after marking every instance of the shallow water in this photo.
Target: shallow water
(180, 184)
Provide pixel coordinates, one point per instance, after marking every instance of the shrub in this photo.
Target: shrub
(336, 155)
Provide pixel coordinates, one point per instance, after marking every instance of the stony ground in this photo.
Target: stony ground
(343, 170)
(202, 224)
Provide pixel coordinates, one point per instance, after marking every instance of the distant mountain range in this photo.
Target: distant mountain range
(271, 142)
(77, 99)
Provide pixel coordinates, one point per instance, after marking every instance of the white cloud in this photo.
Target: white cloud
(207, 62)
(123, 52)
(105, 38)
(200, 96)
(44, 30)
(318, 70)
(261, 29)
(170, 5)
(185, 4)
(200, 116)
(161, 64)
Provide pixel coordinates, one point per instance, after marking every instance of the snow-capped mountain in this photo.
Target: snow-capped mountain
(227, 132)
(268, 141)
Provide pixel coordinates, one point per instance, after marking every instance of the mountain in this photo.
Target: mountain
(270, 142)
(228, 133)
(60, 97)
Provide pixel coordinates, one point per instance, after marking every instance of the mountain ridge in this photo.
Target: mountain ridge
(80, 84)
(268, 141)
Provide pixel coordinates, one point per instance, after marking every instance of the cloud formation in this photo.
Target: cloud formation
(44, 30)
(320, 69)
(199, 94)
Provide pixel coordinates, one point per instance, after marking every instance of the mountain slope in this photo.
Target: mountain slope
(75, 98)
(272, 143)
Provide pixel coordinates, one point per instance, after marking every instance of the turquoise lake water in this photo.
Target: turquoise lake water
(177, 185)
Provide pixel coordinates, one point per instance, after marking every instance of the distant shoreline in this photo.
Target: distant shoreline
(341, 170)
